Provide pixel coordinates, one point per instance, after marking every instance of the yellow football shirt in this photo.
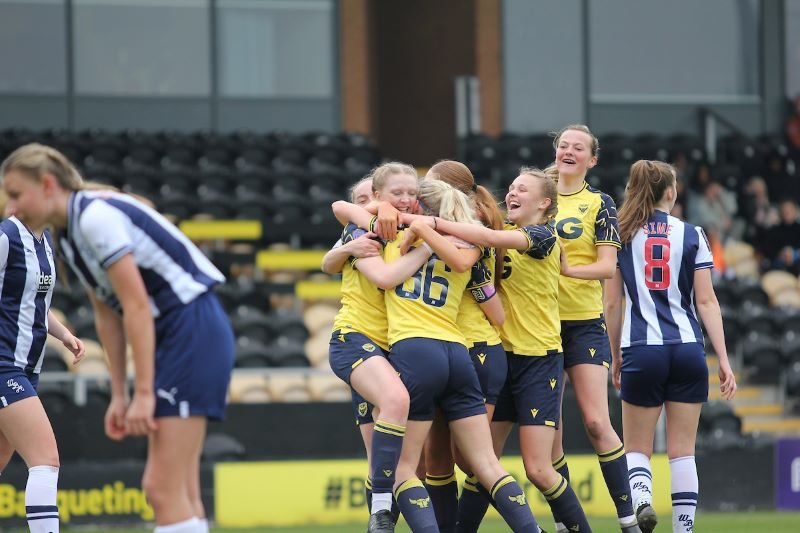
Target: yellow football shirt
(530, 293)
(363, 308)
(471, 319)
(586, 219)
(425, 305)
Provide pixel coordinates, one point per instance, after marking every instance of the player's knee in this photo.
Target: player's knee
(596, 427)
(396, 404)
(540, 475)
(157, 490)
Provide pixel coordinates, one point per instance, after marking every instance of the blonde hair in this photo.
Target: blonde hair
(549, 188)
(646, 186)
(446, 201)
(380, 175)
(352, 190)
(595, 144)
(35, 160)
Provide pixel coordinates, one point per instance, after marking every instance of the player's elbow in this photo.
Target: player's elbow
(497, 320)
(460, 266)
(607, 271)
(385, 282)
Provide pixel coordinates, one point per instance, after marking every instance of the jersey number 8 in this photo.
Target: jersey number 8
(424, 280)
(656, 269)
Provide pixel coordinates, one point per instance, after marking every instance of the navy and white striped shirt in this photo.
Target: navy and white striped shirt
(27, 278)
(104, 226)
(658, 267)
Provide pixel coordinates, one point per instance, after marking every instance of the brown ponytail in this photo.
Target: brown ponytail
(646, 186)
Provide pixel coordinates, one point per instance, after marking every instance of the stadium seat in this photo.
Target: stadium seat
(776, 281)
(328, 388)
(288, 387)
(316, 349)
(289, 324)
(319, 316)
(249, 388)
(758, 318)
(222, 447)
(53, 360)
(719, 416)
(287, 352)
(793, 381)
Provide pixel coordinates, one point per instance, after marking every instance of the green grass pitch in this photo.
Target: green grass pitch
(739, 522)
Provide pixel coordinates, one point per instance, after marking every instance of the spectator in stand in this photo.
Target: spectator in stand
(793, 126)
(759, 213)
(781, 243)
(715, 211)
(779, 181)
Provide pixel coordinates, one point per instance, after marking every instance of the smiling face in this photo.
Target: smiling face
(27, 198)
(525, 200)
(574, 153)
(400, 190)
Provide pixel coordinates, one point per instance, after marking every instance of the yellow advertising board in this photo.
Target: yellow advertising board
(285, 493)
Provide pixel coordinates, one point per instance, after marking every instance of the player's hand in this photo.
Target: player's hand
(364, 246)
(727, 381)
(387, 222)
(409, 238)
(74, 345)
(114, 420)
(139, 417)
(616, 372)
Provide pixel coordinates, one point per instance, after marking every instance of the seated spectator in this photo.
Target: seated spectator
(781, 243)
(792, 128)
(715, 210)
(759, 213)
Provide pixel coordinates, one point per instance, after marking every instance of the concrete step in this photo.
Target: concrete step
(779, 426)
(747, 394)
(764, 409)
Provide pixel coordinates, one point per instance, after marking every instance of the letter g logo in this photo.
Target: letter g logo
(569, 228)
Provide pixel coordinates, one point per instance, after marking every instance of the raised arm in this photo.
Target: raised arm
(389, 275)
(612, 309)
(346, 212)
(474, 233)
(710, 314)
(364, 246)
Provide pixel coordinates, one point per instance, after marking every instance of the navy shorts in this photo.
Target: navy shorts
(491, 365)
(585, 342)
(362, 409)
(194, 359)
(532, 392)
(652, 375)
(438, 374)
(349, 350)
(16, 385)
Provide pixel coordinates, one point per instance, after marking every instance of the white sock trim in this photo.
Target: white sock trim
(381, 502)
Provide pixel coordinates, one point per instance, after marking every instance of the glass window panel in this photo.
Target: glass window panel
(276, 48)
(792, 48)
(33, 47)
(681, 48)
(142, 47)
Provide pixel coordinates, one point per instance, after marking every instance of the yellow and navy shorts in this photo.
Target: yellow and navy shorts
(531, 395)
(348, 350)
(491, 365)
(437, 374)
(585, 342)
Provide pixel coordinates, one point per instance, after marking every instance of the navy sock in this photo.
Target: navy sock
(387, 440)
(443, 491)
(562, 468)
(564, 503)
(415, 505)
(512, 505)
(614, 466)
(472, 506)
